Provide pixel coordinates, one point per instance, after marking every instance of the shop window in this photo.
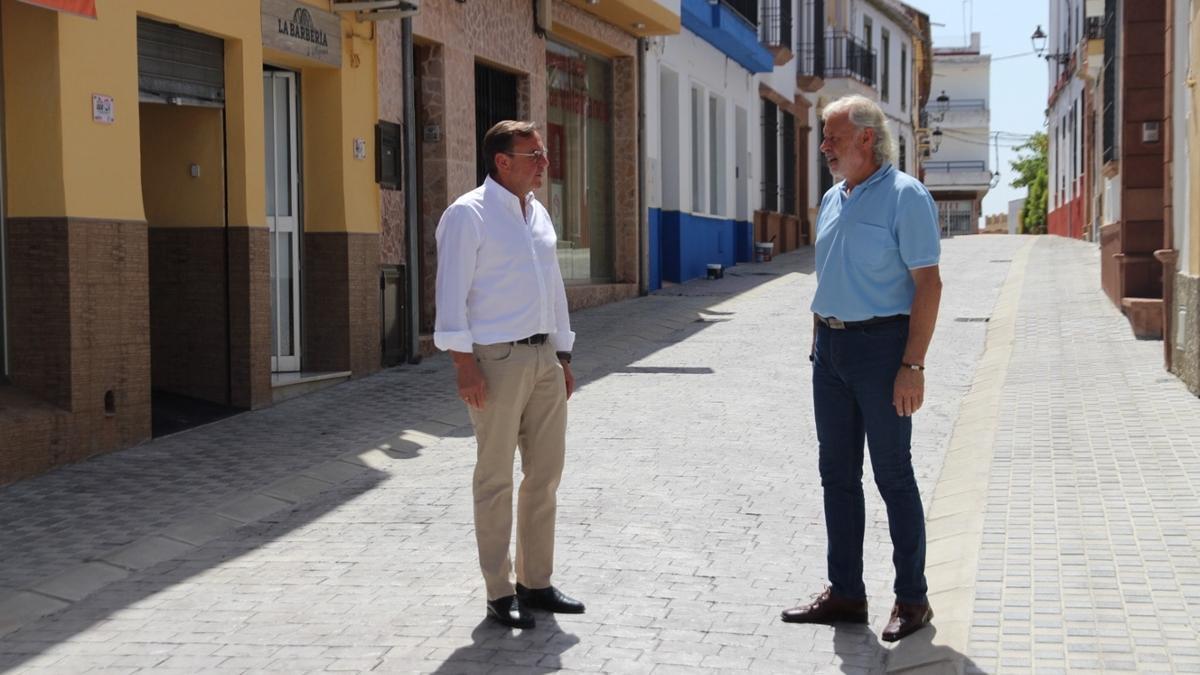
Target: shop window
(387, 155)
(579, 140)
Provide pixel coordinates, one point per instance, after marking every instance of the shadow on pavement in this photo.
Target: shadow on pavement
(860, 650)
(78, 514)
(538, 650)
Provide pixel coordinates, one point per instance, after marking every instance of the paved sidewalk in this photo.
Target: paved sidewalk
(333, 532)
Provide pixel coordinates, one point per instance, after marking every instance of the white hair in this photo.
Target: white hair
(866, 114)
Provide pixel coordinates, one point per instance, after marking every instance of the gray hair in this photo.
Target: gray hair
(866, 114)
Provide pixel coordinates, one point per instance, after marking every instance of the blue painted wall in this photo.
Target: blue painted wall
(689, 243)
(744, 240)
(724, 29)
(654, 223)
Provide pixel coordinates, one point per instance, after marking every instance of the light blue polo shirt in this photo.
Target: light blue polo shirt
(868, 241)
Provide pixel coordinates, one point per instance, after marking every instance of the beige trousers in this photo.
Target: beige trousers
(526, 408)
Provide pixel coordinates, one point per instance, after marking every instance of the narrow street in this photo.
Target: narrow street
(1060, 467)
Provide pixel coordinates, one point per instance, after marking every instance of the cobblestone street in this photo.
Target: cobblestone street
(333, 532)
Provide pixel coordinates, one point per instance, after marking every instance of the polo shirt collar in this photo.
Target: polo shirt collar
(879, 174)
(504, 195)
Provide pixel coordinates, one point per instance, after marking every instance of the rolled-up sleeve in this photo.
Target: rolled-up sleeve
(458, 241)
(917, 228)
(563, 337)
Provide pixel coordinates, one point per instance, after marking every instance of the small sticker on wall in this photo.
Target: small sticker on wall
(102, 109)
(360, 148)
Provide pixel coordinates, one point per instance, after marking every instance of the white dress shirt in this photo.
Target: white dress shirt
(498, 278)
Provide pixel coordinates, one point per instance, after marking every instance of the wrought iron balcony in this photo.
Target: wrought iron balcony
(846, 56)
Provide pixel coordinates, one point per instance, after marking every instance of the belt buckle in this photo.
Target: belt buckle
(836, 324)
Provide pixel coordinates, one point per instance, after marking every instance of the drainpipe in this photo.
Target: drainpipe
(411, 226)
(643, 212)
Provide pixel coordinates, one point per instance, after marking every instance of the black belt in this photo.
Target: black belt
(536, 339)
(838, 324)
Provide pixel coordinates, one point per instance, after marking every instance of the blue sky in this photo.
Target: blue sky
(1018, 88)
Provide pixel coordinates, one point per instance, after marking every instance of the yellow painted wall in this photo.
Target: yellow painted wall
(172, 139)
(337, 106)
(33, 137)
(61, 162)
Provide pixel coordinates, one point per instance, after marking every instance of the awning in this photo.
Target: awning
(81, 7)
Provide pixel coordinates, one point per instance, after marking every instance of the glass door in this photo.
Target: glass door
(282, 181)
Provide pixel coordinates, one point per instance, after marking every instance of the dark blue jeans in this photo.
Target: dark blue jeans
(853, 374)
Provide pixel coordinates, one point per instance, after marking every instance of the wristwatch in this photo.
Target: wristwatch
(565, 357)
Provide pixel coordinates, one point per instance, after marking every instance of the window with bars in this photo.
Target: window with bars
(770, 147)
(1109, 129)
(787, 188)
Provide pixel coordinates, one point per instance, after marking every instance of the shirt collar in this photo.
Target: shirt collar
(504, 195)
(882, 171)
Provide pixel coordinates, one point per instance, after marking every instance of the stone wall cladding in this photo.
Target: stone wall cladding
(392, 248)
(249, 316)
(1185, 363)
(188, 312)
(79, 328)
(451, 38)
(341, 303)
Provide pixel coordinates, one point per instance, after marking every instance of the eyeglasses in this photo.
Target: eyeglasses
(537, 155)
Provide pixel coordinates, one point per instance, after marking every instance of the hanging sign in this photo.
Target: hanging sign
(298, 28)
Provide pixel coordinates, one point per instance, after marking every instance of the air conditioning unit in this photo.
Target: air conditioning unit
(377, 10)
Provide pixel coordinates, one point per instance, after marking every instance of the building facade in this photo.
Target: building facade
(876, 48)
(570, 65)
(1181, 250)
(189, 212)
(957, 171)
(1070, 29)
(720, 148)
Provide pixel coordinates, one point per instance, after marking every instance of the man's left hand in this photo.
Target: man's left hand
(569, 377)
(909, 391)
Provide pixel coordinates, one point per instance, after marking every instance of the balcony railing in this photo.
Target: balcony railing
(957, 104)
(845, 56)
(775, 24)
(955, 166)
(748, 9)
(1094, 28)
(810, 38)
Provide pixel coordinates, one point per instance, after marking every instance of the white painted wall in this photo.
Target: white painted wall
(690, 62)
(965, 133)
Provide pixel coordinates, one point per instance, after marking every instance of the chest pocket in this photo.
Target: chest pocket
(870, 245)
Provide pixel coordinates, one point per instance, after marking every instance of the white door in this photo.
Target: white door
(279, 113)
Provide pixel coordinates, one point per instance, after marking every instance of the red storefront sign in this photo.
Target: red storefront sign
(81, 7)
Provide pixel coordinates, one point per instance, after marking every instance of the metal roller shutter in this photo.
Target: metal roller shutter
(179, 66)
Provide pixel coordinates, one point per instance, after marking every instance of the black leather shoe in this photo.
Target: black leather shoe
(550, 599)
(828, 609)
(906, 620)
(509, 612)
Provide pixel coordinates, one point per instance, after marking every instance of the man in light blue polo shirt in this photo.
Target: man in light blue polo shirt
(878, 290)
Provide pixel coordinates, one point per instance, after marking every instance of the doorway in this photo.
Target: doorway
(280, 98)
(495, 101)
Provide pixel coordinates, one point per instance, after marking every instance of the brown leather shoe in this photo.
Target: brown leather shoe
(828, 609)
(906, 620)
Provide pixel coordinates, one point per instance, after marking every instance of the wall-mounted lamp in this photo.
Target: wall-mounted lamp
(1038, 40)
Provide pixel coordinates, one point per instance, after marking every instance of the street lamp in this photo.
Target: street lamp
(1038, 40)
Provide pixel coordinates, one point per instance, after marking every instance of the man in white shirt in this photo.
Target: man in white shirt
(502, 315)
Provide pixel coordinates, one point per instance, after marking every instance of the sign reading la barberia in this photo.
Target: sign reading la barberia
(299, 28)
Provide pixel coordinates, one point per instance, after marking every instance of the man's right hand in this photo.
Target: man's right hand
(471, 387)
